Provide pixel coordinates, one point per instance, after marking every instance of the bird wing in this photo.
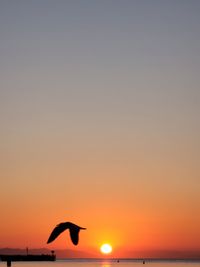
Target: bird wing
(57, 231)
(74, 235)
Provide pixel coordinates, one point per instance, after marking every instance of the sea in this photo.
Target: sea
(106, 263)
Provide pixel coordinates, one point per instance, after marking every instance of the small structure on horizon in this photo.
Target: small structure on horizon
(8, 262)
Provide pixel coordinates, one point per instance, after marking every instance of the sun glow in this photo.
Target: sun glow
(106, 248)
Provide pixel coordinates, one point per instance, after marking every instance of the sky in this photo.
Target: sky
(99, 114)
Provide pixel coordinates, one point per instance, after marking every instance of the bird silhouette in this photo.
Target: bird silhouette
(73, 230)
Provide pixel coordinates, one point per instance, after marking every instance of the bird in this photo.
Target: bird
(61, 227)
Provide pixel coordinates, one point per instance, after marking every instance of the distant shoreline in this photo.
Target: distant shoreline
(69, 254)
(130, 259)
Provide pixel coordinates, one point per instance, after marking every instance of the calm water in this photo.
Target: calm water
(103, 263)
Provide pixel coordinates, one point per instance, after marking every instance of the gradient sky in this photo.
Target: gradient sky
(99, 113)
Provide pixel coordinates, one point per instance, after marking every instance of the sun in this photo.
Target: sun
(106, 248)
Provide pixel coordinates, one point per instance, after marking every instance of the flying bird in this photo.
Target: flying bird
(73, 230)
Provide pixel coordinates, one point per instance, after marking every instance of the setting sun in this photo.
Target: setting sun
(106, 249)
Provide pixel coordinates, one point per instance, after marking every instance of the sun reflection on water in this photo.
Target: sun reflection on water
(106, 264)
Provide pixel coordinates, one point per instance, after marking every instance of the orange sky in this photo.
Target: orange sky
(107, 199)
(99, 113)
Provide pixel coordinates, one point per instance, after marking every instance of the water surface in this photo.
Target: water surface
(104, 263)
